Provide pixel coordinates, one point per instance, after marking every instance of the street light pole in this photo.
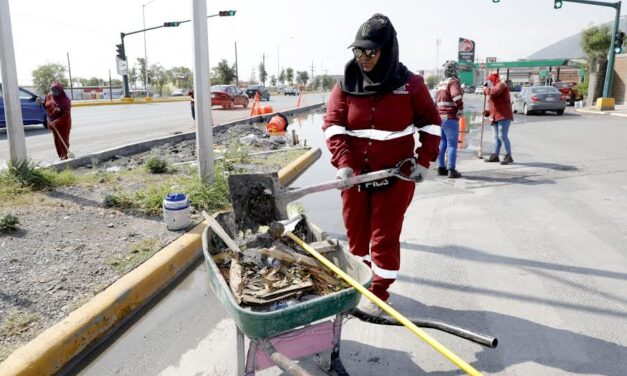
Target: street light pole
(145, 49)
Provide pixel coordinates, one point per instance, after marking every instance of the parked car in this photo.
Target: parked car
(179, 93)
(568, 89)
(469, 89)
(479, 90)
(252, 90)
(290, 91)
(539, 99)
(228, 96)
(32, 113)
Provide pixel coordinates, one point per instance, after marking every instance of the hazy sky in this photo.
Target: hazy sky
(315, 31)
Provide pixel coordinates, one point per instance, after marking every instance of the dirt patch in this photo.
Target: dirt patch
(69, 245)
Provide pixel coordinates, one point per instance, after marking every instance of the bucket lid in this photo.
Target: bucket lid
(176, 197)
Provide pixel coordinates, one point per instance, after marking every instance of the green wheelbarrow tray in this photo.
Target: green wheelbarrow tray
(268, 324)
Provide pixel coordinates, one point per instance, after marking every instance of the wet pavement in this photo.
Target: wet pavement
(532, 253)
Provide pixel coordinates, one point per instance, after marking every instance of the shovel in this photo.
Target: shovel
(259, 199)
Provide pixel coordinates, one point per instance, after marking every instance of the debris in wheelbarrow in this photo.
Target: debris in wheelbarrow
(276, 277)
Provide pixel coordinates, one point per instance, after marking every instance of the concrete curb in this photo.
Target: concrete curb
(596, 112)
(140, 147)
(54, 348)
(138, 101)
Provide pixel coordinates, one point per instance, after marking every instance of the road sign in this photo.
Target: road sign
(490, 60)
(544, 73)
(122, 66)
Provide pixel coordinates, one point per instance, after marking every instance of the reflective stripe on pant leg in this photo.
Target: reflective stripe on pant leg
(356, 214)
(387, 213)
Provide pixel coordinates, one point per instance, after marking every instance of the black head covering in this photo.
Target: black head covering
(388, 74)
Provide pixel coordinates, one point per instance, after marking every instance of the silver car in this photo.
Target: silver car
(539, 99)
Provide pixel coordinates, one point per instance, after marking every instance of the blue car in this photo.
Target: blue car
(32, 113)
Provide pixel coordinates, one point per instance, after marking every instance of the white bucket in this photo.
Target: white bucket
(176, 211)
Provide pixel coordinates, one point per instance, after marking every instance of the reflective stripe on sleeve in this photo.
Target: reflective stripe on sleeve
(334, 130)
(384, 273)
(446, 104)
(364, 258)
(435, 130)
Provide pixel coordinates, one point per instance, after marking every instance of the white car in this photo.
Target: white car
(479, 90)
(290, 91)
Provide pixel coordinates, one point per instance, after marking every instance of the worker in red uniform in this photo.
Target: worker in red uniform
(372, 115)
(449, 99)
(501, 117)
(58, 107)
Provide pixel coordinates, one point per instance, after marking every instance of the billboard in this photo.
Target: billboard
(466, 51)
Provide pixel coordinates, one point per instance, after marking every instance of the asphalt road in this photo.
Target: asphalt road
(532, 253)
(102, 127)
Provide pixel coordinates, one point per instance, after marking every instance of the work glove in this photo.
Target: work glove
(486, 113)
(342, 174)
(419, 173)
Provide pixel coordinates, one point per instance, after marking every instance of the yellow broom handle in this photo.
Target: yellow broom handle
(387, 308)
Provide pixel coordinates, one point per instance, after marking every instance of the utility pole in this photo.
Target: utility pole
(12, 106)
(69, 70)
(438, 41)
(204, 130)
(236, 67)
(312, 70)
(110, 87)
(263, 63)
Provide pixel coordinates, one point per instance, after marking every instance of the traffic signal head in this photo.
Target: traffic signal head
(120, 50)
(618, 42)
(171, 24)
(558, 4)
(226, 13)
(496, 1)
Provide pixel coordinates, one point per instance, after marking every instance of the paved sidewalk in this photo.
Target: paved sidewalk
(620, 110)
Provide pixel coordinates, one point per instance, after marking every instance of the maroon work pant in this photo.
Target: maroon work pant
(63, 131)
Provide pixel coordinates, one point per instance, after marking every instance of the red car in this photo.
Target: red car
(568, 89)
(228, 96)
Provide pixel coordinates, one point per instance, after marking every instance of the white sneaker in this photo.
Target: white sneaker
(368, 307)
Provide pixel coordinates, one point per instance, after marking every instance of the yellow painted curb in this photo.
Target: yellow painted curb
(48, 352)
(130, 101)
(294, 169)
(605, 104)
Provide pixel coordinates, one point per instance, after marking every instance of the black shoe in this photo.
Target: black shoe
(492, 158)
(507, 159)
(442, 171)
(454, 174)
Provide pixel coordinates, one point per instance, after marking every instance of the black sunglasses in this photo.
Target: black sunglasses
(361, 53)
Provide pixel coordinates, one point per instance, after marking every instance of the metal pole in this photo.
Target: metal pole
(236, 67)
(145, 51)
(110, 87)
(609, 72)
(69, 70)
(12, 107)
(127, 90)
(277, 63)
(204, 130)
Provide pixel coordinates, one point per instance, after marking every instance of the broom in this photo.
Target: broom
(69, 153)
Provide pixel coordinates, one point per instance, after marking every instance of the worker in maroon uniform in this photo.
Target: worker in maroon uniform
(58, 107)
(372, 115)
(501, 117)
(450, 106)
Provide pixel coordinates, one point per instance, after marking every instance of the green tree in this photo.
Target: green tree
(95, 81)
(181, 77)
(132, 78)
(327, 82)
(223, 73)
(159, 77)
(302, 77)
(282, 77)
(273, 80)
(289, 75)
(115, 82)
(432, 81)
(595, 41)
(263, 74)
(45, 74)
(141, 66)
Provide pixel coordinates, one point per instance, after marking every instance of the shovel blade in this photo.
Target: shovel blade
(254, 199)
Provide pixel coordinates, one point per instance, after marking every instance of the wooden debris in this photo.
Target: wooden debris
(235, 280)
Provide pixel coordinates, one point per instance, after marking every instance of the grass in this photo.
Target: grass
(203, 196)
(139, 252)
(157, 165)
(27, 177)
(16, 323)
(280, 158)
(8, 223)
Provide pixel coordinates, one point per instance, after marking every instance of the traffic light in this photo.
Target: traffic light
(557, 4)
(120, 50)
(618, 42)
(171, 24)
(496, 1)
(226, 13)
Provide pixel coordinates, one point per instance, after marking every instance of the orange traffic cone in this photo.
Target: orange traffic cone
(462, 131)
(255, 101)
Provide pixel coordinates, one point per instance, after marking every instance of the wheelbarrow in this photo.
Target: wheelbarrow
(278, 337)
